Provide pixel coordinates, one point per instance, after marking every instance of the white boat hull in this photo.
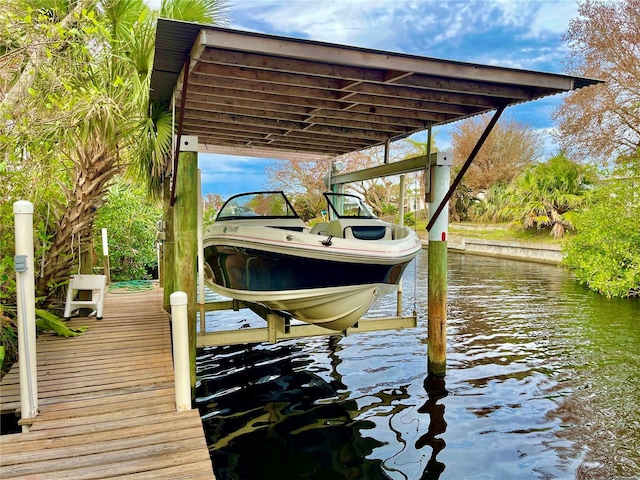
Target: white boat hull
(317, 306)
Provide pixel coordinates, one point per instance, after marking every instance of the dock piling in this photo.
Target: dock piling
(437, 274)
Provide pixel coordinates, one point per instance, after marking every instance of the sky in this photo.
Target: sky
(522, 34)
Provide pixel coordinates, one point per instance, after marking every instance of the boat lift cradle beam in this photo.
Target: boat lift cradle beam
(280, 326)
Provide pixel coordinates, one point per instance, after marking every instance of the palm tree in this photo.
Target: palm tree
(491, 205)
(549, 194)
(90, 106)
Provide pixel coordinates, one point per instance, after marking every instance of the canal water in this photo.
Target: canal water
(543, 382)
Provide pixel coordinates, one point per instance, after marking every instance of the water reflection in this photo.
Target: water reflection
(436, 390)
(542, 382)
(270, 414)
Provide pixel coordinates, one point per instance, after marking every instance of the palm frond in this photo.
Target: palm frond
(212, 12)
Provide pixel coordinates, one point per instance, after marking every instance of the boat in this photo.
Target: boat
(259, 250)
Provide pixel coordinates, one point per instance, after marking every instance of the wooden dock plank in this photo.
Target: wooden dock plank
(107, 403)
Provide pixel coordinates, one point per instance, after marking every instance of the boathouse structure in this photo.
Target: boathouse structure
(236, 93)
(243, 93)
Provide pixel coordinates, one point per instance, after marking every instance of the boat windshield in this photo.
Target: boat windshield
(342, 205)
(257, 204)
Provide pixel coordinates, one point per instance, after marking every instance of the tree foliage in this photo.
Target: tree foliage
(602, 122)
(548, 195)
(77, 118)
(211, 204)
(75, 83)
(74, 114)
(510, 147)
(302, 181)
(305, 180)
(130, 218)
(605, 253)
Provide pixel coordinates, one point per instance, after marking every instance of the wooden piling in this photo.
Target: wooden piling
(437, 297)
(437, 274)
(186, 243)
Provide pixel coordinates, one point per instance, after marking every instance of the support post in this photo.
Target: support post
(105, 255)
(186, 246)
(437, 273)
(168, 271)
(180, 339)
(86, 267)
(25, 283)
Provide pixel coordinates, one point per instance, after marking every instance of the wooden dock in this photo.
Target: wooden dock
(107, 403)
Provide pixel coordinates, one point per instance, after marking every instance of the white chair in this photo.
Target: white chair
(98, 286)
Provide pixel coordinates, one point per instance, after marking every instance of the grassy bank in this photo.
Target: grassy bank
(501, 232)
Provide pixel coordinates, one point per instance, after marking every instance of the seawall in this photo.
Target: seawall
(530, 252)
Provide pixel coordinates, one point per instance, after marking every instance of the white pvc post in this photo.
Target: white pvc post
(180, 337)
(105, 255)
(25, 280)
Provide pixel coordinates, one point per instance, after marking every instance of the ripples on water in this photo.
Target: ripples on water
(542, 383)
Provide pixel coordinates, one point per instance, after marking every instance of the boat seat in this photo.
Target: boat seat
(335, 229)
(98, 286)
(359, 230)
(319, 228)
(368, 232)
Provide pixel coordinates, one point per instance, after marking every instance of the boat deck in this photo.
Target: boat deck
(107, 403)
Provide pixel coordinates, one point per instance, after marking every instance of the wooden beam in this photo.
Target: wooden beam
(262, 152)
(305, 73)
(414, 164)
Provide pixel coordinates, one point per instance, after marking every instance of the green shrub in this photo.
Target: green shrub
(604, 254)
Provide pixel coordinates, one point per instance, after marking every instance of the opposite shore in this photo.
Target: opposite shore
(464, 238)
(530, 252)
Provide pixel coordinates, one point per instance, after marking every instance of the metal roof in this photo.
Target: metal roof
(264, 95)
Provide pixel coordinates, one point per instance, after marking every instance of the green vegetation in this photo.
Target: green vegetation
(75, 116)
(547, 195)
(605, 254)
(508, 233)
(130, 218)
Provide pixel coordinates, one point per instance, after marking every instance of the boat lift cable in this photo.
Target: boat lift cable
(415, 229)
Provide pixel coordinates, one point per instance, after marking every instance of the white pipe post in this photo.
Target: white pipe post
(25, 280)
(105, 255)
(200, 244)
(180, 337)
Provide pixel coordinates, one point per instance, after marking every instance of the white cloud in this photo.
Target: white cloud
(366, 23)
(553, 16)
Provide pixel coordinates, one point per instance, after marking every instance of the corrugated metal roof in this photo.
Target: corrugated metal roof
(265, 95)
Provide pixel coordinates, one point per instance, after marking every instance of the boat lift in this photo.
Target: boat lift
(280, 325)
